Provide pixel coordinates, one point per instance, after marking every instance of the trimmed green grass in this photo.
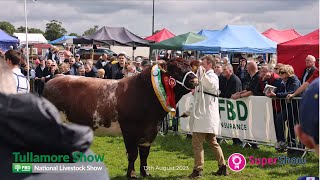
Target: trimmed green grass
(176, 151)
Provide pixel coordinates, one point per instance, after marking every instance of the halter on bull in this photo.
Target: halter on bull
(131, 103)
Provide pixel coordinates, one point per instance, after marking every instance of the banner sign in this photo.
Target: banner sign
(247, 118)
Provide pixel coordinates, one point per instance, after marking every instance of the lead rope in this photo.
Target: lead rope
(200, 74)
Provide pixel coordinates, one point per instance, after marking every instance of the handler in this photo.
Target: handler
(205, 119)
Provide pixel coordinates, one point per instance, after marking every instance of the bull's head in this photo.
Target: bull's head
(181, 71)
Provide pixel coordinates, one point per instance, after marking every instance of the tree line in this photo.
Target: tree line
(54, 30)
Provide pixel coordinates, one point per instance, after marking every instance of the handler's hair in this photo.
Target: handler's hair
(210, 60)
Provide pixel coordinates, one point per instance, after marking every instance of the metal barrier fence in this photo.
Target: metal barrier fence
(286, 115)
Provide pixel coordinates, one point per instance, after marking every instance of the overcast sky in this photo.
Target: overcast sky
(176, 15)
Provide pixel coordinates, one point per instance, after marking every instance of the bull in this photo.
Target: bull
(130, 104)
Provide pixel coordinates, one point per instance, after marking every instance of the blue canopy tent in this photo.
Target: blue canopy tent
(6, 41)
(208, 34)
(63, 39)
(235, 38)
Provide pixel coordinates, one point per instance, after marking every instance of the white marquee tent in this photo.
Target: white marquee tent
(33, 38)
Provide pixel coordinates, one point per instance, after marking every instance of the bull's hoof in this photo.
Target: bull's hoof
(132, 175)
(145, 174)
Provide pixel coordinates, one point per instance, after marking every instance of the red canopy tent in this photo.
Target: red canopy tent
(280, 36)
(160, 36)
(294, 52)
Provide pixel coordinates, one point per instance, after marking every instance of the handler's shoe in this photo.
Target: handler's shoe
(222, 171)
(195, 174)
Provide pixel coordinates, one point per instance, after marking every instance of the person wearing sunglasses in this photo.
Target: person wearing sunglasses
(277, 67)
(289, 84)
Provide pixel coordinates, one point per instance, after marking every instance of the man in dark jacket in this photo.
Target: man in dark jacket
(41, 72)
(90, 71)
(242, 72)
(117, 69)
(250, 88)
(310, 67)
(32, 124)
(229, 85)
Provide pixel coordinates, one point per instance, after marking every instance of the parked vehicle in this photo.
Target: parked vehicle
(85, 53)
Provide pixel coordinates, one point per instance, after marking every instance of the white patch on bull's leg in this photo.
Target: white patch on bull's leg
(113, 130)
(109, 100)
(96, 119)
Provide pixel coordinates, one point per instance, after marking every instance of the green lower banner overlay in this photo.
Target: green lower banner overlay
(57, 167)
(21, 167)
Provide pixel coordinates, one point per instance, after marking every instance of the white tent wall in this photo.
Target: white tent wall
(33, 38)
(140, 51)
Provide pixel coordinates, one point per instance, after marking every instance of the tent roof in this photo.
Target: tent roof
(4, 37)
(177, 42)
(160, 36)
(234, 38)
(308, 39)
(83, 40)
(294, 52)
(33, 38)
(207, 33)
(280, 36)
(63, 39)
(118, 36)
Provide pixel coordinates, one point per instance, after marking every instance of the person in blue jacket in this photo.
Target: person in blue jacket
(289, 84)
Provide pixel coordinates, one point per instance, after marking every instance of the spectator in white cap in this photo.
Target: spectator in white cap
(138, 64)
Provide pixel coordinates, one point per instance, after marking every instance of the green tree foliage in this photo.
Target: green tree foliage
(54, 30)
(74, 34)
(22, 29)
(90, 31)
(7, 27)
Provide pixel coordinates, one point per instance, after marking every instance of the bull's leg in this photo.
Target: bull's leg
(144, 153)
(132, 153)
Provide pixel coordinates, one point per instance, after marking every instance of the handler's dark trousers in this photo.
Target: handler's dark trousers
(197, 144)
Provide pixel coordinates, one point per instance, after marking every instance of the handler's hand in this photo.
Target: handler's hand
(184, 115)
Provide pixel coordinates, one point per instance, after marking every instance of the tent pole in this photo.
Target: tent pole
(27, 45)
(132, 53)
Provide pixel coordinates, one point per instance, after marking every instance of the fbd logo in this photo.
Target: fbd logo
(21, 168)
(237, 162)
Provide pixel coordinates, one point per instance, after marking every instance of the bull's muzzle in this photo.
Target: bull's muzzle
(194, 82)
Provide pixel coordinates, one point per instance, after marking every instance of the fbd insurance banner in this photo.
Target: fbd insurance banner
(247, 118)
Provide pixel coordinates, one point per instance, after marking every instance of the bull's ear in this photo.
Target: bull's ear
(162, 66)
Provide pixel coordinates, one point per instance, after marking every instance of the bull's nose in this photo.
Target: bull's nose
(195, 81)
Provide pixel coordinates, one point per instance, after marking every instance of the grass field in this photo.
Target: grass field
(176, 151)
